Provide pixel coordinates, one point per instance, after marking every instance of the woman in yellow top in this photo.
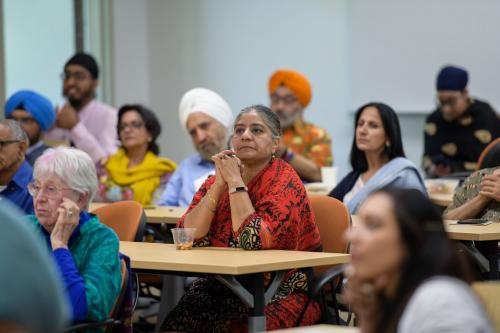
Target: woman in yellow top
(135, 171)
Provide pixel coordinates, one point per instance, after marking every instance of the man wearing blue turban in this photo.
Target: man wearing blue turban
(459, 129)
(36, 115)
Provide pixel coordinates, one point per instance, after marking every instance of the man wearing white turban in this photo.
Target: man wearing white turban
(206, 116)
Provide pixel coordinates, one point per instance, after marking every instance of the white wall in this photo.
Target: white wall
(352, 51)
(399, 46)
(232, 47)
(131, 48)
(39, 39)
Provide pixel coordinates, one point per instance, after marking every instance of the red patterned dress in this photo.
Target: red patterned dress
(283, 219)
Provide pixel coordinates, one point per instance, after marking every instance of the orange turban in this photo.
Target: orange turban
(294, 81)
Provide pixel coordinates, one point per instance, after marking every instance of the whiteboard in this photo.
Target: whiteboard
(399, 46)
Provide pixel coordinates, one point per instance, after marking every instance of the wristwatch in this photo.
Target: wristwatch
(238, 189)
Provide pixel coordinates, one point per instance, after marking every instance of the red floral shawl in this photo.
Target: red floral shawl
(283, 217)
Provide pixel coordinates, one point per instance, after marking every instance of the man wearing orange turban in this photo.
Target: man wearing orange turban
(305, 146)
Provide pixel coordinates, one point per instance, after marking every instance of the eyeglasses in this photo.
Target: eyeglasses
(51, 191)
(448, 102)
(78, 76)
(134, 124)
(288, 99)
(5, 143)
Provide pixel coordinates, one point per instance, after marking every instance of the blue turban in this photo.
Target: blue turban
(452, 78)
(39, 106)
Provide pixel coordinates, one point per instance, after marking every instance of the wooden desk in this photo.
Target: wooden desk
(160, 258)
(443, 200)
(479, 233)
(225, 264)
(154, 214)
(441, 190)
(319, 329)
(487, 237)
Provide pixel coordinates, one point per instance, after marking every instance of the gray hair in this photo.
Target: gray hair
(71, 165)
(17, 133)
(268, 116)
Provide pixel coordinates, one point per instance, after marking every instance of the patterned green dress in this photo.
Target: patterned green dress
(470, 189)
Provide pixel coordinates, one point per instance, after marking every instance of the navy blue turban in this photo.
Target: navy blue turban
(452, 78)
(37, 105)
(86, 61)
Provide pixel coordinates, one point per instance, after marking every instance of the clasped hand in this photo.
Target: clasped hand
(67, 117)
(67, 221)
(228, 169)
(490, 186)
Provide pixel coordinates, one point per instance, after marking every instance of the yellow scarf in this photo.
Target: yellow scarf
(144, 178)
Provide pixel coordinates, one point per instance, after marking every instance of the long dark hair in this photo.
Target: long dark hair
(151, 123)
(390, 122)
(429, 252)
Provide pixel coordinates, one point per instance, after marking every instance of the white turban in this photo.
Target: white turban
(206, 101)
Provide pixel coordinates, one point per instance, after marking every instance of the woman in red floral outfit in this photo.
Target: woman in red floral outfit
(255, 201)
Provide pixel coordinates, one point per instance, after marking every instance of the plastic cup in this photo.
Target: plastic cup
(183, 238)
(329, 176)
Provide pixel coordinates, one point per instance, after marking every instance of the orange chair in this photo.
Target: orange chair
(490, 156)
(126, 218)
(332, 219)
(113, 316)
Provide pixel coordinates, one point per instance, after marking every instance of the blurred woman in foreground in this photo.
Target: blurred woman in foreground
(405, 275)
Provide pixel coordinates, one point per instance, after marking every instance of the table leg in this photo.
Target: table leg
(171, 292)
(486, 254)
(257, 299)
(490, 249)
(257, 317)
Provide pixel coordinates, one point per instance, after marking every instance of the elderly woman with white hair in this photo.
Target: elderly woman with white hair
(86, 251)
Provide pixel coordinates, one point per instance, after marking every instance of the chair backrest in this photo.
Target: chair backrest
(126, 218)
(120, 315)
(490, 156)
(123, 290)
(489, 293)
(333, 219)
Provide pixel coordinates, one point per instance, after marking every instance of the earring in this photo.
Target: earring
(387, 144)
(273, 156)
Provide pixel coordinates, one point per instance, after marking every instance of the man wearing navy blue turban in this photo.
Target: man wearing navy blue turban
(36, 115)
(459, 129)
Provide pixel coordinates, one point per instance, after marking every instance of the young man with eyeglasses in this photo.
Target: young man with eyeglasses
(305, 146)
(36, 115)
(89, 124)
(15, 171)
(459, 129)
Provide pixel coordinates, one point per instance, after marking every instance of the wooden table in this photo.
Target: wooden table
(440, 199)
(319, 329)
(225, 264)
(487, 238)
(154, 214)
